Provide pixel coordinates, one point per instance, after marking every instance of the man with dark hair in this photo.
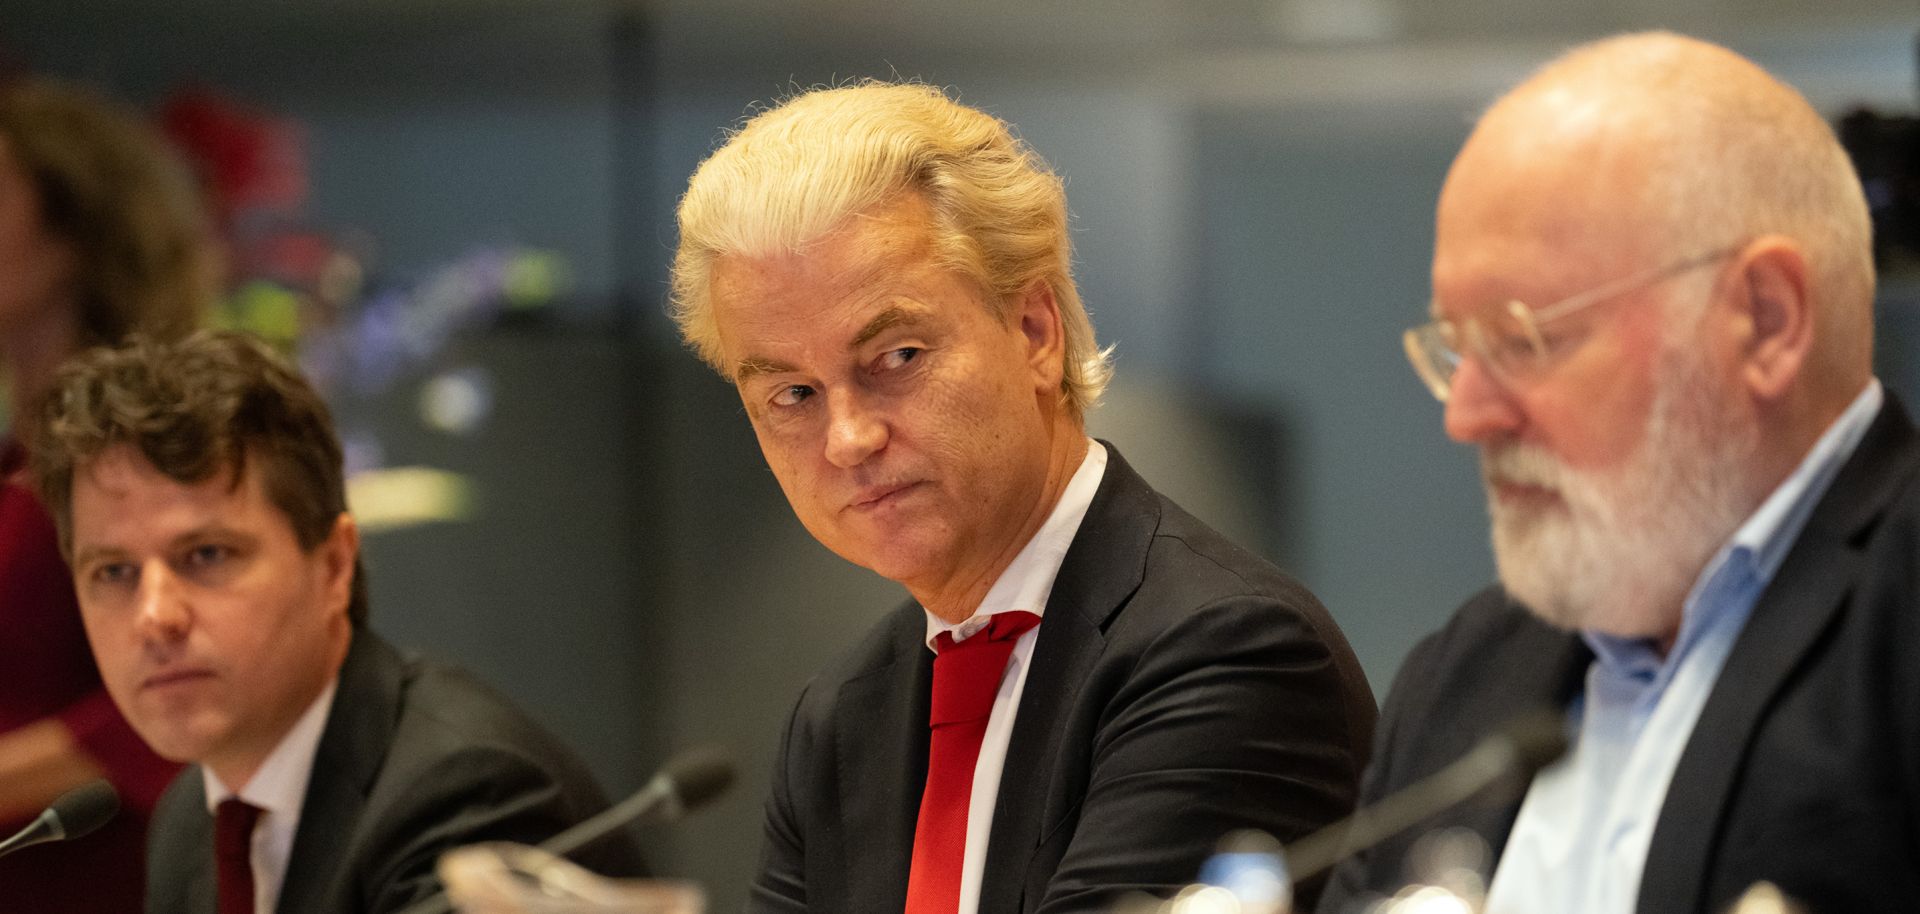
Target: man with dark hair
(198, 493)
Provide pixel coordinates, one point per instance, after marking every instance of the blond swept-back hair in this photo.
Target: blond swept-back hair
(1735, 153)
(799, 170)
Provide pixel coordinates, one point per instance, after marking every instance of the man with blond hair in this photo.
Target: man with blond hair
(1652, 313)
(1090, 687)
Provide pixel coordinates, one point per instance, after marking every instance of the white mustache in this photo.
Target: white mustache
(1522, 464)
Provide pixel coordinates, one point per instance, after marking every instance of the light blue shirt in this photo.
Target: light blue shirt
(1580, 842)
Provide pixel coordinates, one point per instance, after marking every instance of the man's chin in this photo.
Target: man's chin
(175, 745)
(1520, 551)
(901, 560)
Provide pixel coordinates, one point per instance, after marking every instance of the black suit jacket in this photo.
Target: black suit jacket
(1804, 767)
(416, 759)
(1180, 688)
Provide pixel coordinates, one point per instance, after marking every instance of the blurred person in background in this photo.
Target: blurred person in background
(101, 234)
(1652, 314)
(1089, 687)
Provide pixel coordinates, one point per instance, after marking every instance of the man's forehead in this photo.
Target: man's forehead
(1538, 228)
(849, 286)
(742, 283)
(121, 470)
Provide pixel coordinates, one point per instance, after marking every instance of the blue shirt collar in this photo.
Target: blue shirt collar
(1733, 579)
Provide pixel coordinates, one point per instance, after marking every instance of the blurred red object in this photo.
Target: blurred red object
(248, 161)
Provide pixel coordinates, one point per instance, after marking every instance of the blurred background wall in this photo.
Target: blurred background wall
(1252, 184)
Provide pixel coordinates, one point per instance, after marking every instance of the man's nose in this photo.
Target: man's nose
(1479, 406)
(855, 430)
(163, 611)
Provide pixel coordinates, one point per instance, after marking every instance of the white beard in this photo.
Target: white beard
(1617, 552)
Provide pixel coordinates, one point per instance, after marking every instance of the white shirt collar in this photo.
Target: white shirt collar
(280, 785)
(279, 790)
(1028, 579)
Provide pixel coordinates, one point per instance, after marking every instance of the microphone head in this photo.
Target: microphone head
(1535, 740)
(85, 808)
(698, 776)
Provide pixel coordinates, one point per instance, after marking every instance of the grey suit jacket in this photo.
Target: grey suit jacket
(1180, 688)
(416, 759)
(1804, 767)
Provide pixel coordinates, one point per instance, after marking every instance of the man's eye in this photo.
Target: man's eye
(114, 573)
(897, 358)
(208, 555)
(792, 395)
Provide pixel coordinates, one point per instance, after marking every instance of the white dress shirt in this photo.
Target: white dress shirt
(278, 789)
(1024, 586)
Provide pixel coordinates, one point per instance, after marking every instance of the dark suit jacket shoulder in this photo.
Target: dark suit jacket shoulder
(1180, 687)
(416, 759)
(1804, 766)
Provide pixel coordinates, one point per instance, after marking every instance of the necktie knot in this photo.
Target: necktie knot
(966, 674)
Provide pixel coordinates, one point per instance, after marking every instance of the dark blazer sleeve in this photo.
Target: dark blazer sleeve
(1492, 663)
(1350, 880)
(1234, 717)
(781, 885)
(418, 759)
(487, 793)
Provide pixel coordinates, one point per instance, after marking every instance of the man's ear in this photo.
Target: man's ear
(1045, 334)
(339, 553)
(1769, 288)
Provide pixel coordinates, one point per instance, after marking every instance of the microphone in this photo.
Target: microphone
(685, 783)
(75, 814)
(1512, 754)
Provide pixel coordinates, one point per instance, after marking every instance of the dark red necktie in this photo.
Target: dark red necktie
(233, 825)
(966, 677)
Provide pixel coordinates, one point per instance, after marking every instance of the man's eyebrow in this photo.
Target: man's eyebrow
(753, 366)
(212, 529)
(85, 556)
(895, 316)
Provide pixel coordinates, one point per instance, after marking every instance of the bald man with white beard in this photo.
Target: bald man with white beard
(1652, 315)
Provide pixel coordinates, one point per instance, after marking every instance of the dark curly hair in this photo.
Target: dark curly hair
(214, 402)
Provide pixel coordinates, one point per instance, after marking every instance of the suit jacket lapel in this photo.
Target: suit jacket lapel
(202, 890)
(881, 739)
(352, 749)
(1806, 596)
(1102, 568)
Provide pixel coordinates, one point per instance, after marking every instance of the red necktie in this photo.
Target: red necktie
(233, 854)
(966, 677)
